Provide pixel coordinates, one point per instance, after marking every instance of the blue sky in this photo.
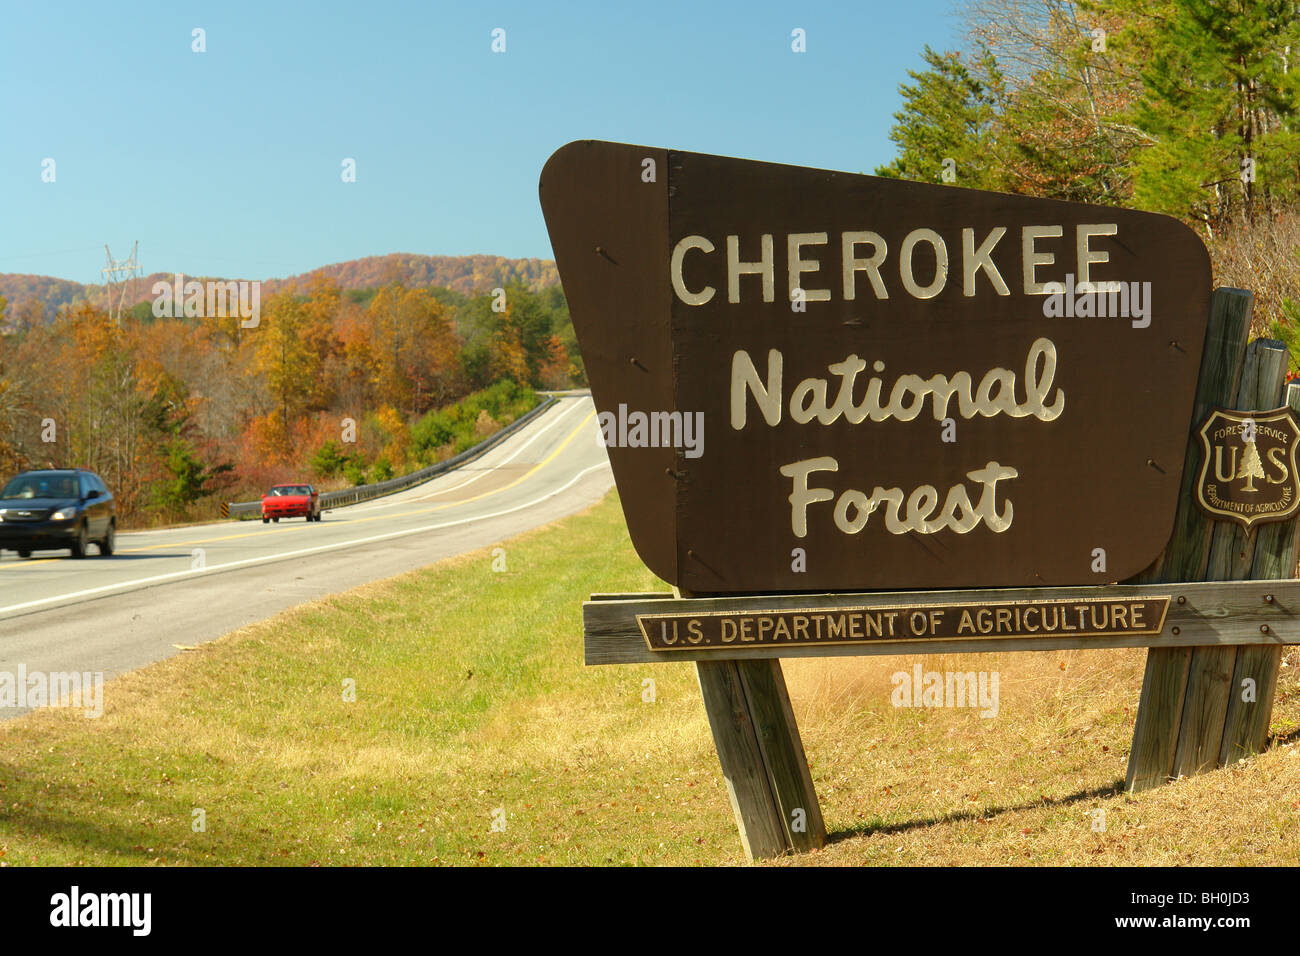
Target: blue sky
(228, 162)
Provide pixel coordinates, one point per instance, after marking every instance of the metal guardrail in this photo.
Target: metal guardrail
(351, 496)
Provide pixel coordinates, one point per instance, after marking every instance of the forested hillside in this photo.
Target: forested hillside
(331, 381)
(35, 298)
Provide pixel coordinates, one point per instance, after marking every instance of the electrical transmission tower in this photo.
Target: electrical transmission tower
(119, 280)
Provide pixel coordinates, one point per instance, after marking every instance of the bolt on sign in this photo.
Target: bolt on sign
(891, 384)
(1248, 466)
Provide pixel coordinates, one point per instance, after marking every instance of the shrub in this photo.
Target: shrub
(329, 459)
(354, 472)
(467, 422)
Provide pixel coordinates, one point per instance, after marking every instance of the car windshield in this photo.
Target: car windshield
(290, 490)
(41, 486)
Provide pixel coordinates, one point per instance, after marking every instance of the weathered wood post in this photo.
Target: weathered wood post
(763, 762)
(762, 756)
(1192, 715)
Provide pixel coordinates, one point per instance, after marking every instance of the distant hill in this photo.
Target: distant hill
(47, 290)
(464, 274)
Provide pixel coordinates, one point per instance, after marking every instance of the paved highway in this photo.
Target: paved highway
(163, 591)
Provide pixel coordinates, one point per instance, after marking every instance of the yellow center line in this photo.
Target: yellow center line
(27, 561)
(298, 530)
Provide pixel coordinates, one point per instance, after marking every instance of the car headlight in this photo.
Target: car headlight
(64, 514)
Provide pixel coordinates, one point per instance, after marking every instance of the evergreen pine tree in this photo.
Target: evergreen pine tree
(1219, 99)
(947, 114)
(1251, 467)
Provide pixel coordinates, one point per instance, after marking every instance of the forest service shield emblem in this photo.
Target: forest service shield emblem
(1248, 466)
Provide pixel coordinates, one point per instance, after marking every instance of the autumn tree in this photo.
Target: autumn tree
(14, 399)
(321, 307)
(416, 351)
(28, 315)
(507, 334)
(355, 367)
(553, 369)
(1056, 129)
(285, 358)
(508, 359)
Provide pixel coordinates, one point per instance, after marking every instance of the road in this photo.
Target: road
(164, 591)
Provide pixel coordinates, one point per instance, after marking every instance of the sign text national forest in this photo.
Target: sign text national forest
(889, 384)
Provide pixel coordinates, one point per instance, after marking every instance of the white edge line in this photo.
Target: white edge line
(263, 559)
(519, 451)
(373, 505)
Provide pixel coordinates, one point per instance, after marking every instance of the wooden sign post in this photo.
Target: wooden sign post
(849, 415)
(1194, 714)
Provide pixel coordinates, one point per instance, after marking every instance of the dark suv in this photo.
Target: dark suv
(66, 508)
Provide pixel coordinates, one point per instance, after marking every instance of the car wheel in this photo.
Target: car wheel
(266, 521)
(82, 544)
(110, 537)
(276, 520)
(24, 554)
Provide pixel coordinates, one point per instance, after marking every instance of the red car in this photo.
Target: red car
(290, 501)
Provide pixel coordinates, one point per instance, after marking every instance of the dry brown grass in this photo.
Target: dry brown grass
(1264, 258)
(944, 786)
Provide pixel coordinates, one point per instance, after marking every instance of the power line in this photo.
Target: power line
(120, 273)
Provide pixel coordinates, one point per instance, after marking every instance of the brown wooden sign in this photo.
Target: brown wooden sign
(811, 380)
(1248, 466)
(1089, 617)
